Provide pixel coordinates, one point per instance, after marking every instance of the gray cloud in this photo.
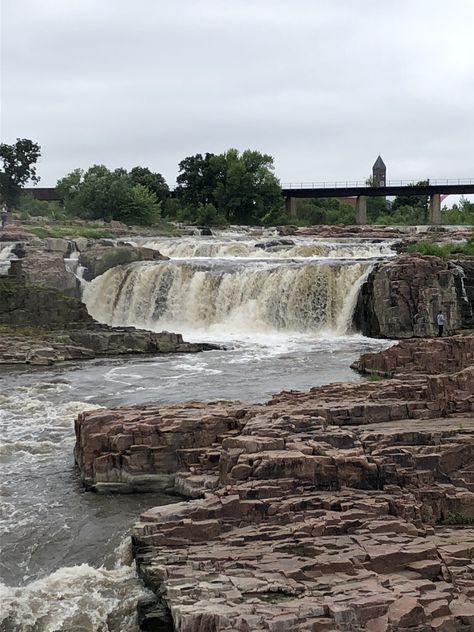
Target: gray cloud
(322, 85)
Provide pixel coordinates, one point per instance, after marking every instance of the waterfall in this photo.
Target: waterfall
(288, 248)
(222, 295)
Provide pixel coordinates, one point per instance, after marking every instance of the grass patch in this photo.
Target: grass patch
(377, 377)
(18, 330)
(443, 251)
(62, 338)
(459, 519)
(70, 231)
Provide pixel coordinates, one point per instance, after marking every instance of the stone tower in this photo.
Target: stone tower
(379, 173)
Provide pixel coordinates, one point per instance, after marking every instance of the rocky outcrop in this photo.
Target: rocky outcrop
(100, 258)
(316, 527)
(14, 234)
(432, 356)
(125, 449)
(326, 510)
(401, 298)
(43, 326)
(89, 341)
(43, 265)
(25, 304)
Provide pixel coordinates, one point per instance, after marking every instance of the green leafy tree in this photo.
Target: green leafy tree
(100, 193)
(242, 187)
(154, 182)
(419, 202)
(19, 167)
(461, 213)
(325, 211)
(376, 207)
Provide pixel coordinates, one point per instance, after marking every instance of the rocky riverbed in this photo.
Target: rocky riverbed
(343, 508)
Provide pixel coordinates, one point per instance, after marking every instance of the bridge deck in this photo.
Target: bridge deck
(391, 190)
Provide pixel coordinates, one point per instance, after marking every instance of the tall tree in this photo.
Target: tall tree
(242, 187)
(19, 166)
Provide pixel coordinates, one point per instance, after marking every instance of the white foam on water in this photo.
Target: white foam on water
(74, 599)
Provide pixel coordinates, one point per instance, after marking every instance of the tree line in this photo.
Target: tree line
(212, 189)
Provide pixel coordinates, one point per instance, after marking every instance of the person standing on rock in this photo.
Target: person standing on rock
(440, 322)
(4, 215)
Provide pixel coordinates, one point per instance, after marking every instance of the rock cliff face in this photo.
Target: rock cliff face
(321, 510)
(59, 328)
(25, 304)
(402, 297)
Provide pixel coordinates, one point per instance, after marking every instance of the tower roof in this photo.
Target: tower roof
(379, 163)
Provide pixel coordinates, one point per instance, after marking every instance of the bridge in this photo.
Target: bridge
(359, 189)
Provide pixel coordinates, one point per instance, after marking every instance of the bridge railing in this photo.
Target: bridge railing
(345, 184)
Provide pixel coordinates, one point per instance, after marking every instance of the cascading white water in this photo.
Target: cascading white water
(257, 297)
(271, 247)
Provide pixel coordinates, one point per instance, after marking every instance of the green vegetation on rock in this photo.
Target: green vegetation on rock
(459, 519)
(91, 232)
(19, 330)
(443, 251)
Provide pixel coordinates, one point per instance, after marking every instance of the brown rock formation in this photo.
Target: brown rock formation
(438, 355)
(402, 297)
(321, 510)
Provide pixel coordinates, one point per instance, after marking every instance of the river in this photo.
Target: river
(282, 311)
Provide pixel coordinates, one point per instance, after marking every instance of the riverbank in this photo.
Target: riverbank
(329, 510)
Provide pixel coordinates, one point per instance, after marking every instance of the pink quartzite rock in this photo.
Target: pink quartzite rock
(324, 510)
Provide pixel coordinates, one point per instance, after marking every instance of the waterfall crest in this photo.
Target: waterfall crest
(257, 297)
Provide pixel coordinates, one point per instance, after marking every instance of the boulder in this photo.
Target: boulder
(97, 259)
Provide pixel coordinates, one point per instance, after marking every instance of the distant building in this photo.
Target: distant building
(379, 173)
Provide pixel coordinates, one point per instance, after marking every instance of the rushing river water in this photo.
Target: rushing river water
(283, 312)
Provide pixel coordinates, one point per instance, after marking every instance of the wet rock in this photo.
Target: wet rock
(275, 243)
(97, 259)
(23, 303)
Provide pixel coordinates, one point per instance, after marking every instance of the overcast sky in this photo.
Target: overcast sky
(321, 85)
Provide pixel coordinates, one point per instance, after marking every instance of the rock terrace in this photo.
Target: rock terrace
(337, 509)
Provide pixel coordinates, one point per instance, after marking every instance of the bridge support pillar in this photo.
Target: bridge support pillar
(435, 209)
(361, 209)
(290, 206)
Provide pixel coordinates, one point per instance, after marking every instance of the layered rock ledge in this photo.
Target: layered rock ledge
(345, 508)
(42, 326)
